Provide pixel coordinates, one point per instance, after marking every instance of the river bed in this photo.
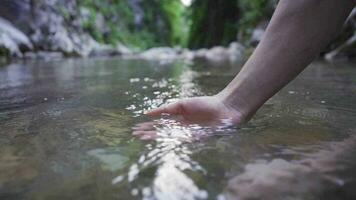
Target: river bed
(66, 132)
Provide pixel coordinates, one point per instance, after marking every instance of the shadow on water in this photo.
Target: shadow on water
(75, 129)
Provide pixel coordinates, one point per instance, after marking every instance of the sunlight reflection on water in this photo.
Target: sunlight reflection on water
(170, 153)
(164, 90)
(172, 158)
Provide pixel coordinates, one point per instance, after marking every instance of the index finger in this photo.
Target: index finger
(173, 108)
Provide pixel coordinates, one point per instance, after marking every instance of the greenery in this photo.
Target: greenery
(151, 23)
(213, 23)
(176, 13)
(159, 24)
(142, 24)
(219, 22)
(253, 11)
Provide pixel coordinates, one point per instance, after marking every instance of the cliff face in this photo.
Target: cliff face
(45, 27)
(79, 27)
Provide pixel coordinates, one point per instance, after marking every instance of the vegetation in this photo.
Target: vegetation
(149, 23)
(253, 11)
(141, 24)
(213, 23)
(144, 24)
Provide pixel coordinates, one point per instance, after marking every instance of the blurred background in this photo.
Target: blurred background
(57, 28)
(70, 125)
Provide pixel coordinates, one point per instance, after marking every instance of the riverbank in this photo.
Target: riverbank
(54, 30)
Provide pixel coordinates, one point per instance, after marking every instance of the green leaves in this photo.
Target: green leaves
(213, 23)
(251, 13)
(162, 22)
(149, 23)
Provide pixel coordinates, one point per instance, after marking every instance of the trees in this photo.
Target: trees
(214, 23)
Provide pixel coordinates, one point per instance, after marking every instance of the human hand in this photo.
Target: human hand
(207, 109)
(180, 130)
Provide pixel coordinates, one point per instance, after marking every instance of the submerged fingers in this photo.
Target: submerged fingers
(144, 126)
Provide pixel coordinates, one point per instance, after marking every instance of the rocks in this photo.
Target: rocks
(54, 33)
(50, 26)
(12, 40)
(124, 50)
(43, 55)
(292, 179)
(258, 32)
(345, 50)
(215, 55)
(236, 51)
(52, 29)
(220, 55)
(161, 53)
(344, 46)
(271, 180)
(103, 50)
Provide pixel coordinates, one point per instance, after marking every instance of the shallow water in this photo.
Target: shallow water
(67, 133)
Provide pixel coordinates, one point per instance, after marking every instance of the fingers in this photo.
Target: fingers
(173, 109)
(145, 135)
(144, 126)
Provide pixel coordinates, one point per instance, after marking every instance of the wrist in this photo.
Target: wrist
(237, 104)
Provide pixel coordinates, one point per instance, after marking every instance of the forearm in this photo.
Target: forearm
(298, 31)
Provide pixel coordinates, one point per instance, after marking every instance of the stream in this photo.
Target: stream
(67, 131)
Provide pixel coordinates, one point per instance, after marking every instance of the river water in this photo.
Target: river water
(67, 131)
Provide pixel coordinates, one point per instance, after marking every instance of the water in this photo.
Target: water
(74, 129)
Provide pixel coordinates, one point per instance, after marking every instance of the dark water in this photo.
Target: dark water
(66, 133)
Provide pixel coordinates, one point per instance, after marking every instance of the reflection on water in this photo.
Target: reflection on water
(171, 158)
(75, 129)
(169, 154)
(281, 179)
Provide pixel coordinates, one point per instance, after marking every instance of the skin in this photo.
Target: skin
(298, 31)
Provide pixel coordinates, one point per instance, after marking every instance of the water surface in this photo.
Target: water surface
(67, 133)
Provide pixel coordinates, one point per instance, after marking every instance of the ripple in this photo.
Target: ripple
(170, 158)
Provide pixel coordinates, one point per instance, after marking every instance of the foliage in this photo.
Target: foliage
(159, 24)
(148, 23)
(252, 11)
(213, 23)
(219, 22)
(176, 13)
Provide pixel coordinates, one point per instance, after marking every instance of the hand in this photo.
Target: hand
(165, 129)
(145, 131)
(209, 109)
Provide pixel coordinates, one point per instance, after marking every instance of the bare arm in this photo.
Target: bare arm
(298, 31)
